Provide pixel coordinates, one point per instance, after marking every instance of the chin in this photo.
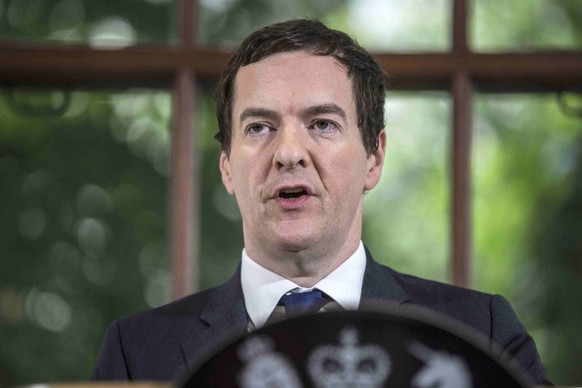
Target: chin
(297, 241)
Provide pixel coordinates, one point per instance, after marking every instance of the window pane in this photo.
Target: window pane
(398, 25)
(228, 22)
(83, 231)
(221, 240)
(104, 23)
(527, 167)
(526, 24)
(406, 216)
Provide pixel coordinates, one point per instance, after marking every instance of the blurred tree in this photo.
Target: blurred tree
(102, 23)
(556, 250)
(527, 179)
(82, 232)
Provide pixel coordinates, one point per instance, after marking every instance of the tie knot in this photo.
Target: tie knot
(301, 303)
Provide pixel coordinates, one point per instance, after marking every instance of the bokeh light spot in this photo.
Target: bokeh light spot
(128, 105)
(93, 200)
(151, 257)
(24, 14)
(91, 235)
(157, 288)
(217, 6)
(48, 310)
(67, 14)
(32, 223)
(36, 182)
(99, 270)
(112, 32)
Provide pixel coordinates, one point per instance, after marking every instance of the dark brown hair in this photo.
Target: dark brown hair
(312, 36)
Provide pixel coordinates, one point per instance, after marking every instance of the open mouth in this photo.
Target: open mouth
(293, 193)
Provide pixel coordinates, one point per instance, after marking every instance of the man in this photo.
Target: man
(300, 114)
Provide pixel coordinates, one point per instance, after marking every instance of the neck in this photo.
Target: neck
(308, 265)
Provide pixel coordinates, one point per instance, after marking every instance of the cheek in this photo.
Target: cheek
(347, 173)
(245, 180)
(239, 179)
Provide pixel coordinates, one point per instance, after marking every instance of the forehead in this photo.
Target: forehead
(293, 80)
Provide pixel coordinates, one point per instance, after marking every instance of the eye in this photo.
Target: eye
(323, 125)
(258, 128)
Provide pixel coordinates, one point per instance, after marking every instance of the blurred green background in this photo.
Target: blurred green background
(84, 176)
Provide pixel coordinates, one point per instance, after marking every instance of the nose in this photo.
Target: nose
(291, 151)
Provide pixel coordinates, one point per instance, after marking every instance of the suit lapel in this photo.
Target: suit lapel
(226, 318)
(380, 283)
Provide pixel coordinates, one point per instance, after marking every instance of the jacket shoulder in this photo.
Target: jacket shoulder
(185, 308)
(471, 307)
(147, 345)
(491, 315)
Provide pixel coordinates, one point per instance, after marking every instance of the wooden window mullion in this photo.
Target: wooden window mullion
(184, 203)
(461, 211)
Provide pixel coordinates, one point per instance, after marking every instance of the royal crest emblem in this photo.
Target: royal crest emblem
(349, 364)
(441, 368)
(264, 367)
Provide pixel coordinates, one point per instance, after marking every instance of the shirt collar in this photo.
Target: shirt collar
(262, 288)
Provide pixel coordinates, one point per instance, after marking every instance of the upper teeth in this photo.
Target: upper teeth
(291, 191)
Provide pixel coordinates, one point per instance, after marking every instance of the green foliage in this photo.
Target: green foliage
(406, 215)
(557, 252)
(80, 210)
(228, 22)
(526, 168)
(103, 22)
(524, 25)
(221, 222)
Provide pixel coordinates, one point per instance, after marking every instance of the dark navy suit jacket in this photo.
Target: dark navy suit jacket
(164, 343)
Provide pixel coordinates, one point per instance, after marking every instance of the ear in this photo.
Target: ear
(224, 165)
(375, 163)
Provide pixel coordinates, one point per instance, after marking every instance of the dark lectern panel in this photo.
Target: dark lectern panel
(397, 347)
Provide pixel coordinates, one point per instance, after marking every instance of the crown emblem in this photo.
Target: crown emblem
(349, 364)
(264, 367)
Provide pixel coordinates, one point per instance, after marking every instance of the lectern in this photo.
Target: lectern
(382, 347)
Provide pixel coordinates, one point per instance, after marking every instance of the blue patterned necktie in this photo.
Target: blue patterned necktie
(301, 303)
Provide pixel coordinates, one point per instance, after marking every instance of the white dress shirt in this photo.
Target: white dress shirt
(262, 288)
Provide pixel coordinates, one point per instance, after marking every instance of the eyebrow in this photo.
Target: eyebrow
(325, 109)
(315, 110)
(257, 112)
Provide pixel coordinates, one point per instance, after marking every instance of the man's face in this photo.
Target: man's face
(297, 166)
